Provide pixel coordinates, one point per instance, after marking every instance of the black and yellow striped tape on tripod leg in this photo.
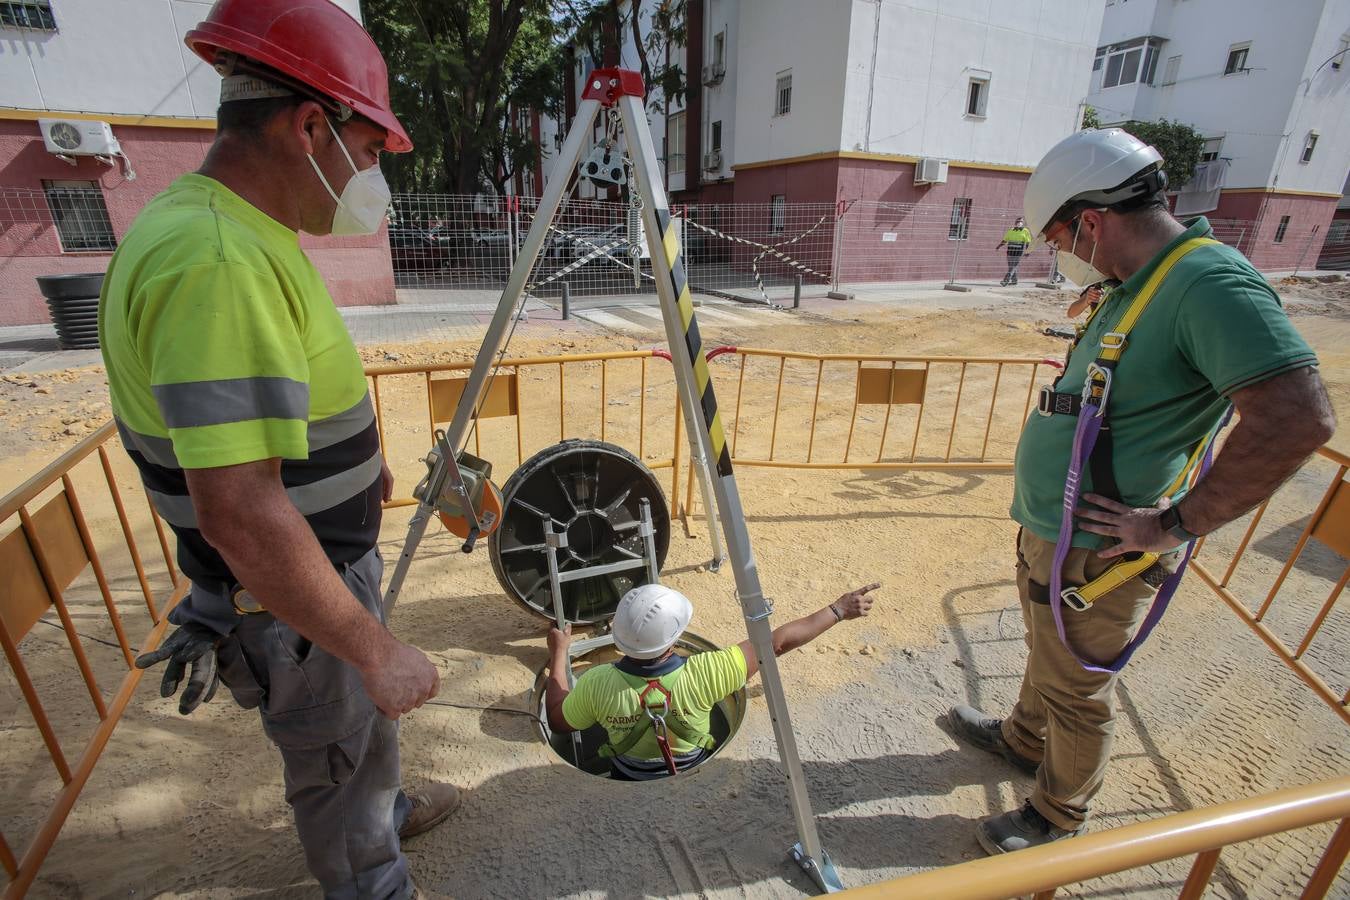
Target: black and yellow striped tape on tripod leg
(693, 344)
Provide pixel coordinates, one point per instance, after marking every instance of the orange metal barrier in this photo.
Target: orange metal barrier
(841, 391)
(47, 545)
(1042, 870)
(533, 418)
(1329, 525)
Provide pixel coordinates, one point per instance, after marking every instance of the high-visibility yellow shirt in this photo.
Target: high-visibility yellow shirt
(1017, 236)
(604, 694)
(224, 347)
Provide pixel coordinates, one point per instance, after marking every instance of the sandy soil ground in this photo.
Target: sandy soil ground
(193, 807)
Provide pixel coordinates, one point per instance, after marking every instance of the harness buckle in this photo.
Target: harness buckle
(1074, 600)
(1045, 401)
(1114, 340)
(1097, 387)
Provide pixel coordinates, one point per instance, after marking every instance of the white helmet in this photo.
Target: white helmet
(649, 620)
(1102, 167)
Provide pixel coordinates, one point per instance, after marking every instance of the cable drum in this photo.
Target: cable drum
(593, 492)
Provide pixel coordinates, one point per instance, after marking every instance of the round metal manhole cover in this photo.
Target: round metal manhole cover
(593, 492)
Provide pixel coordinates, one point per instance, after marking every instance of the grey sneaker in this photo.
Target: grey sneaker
(981, 730)
(1019, 829)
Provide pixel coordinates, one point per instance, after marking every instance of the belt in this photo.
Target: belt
(245, 603)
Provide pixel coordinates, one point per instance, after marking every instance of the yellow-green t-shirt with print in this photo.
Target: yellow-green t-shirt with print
(605, 695)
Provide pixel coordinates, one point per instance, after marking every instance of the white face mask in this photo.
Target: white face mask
(365, 199)
(1080, 272)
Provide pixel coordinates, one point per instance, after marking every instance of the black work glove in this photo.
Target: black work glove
(190, 644)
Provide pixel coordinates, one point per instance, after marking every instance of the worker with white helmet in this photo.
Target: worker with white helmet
(242, 401)
(1118, 438)
(655, 704)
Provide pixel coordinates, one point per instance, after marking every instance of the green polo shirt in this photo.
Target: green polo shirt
(1214, 327)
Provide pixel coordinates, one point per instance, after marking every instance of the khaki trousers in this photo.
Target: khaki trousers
(1065, 716)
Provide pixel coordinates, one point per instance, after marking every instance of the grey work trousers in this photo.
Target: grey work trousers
(339, 754)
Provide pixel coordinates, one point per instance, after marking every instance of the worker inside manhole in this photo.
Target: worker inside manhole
(655, 712)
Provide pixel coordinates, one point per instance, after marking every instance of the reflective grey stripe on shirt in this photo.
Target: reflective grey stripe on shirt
(195, 403)
(329, 492)
(176, 509)
(158, 450)
(323, 433)
(336, 429)
(315, 497)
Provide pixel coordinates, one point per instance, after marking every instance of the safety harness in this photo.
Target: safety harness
(1092, 447)
(658, 719)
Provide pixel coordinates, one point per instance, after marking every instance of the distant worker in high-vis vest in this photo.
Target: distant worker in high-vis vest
(239, 395)
(1189, 332)
(1018, 239)
(655, 705)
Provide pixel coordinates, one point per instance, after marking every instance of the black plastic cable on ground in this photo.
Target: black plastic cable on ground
(497, 709)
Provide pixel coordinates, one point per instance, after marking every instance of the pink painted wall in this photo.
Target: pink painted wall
(358, 270)
(1308, 221)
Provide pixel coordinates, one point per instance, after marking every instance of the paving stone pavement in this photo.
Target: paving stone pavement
(452, 317)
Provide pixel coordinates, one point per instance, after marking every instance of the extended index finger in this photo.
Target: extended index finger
(869, 587)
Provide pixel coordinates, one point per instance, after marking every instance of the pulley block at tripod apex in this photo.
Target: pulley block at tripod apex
(483, 497)
(593, 492)
(604, 165)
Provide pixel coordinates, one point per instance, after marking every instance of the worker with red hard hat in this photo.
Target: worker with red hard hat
(241, 399)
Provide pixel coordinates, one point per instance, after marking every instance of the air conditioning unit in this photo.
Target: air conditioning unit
(712, 161)
(714, 73)
(79, 137)
(930, 171)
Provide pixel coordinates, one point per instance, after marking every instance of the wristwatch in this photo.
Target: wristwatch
(1170, 521)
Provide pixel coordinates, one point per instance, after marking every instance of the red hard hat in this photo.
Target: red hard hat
(314, 42)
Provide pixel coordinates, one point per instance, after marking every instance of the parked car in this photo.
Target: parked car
(415, 249)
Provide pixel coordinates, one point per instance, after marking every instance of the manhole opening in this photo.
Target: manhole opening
(724, 719)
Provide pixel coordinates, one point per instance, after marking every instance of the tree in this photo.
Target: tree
(457, 69)
(598, 29)
(461, 70)
(1179, 144)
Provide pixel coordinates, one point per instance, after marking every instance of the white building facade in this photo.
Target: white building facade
(1268, 85)
(822, 101)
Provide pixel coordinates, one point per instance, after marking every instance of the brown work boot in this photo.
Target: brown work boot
(430, 807)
